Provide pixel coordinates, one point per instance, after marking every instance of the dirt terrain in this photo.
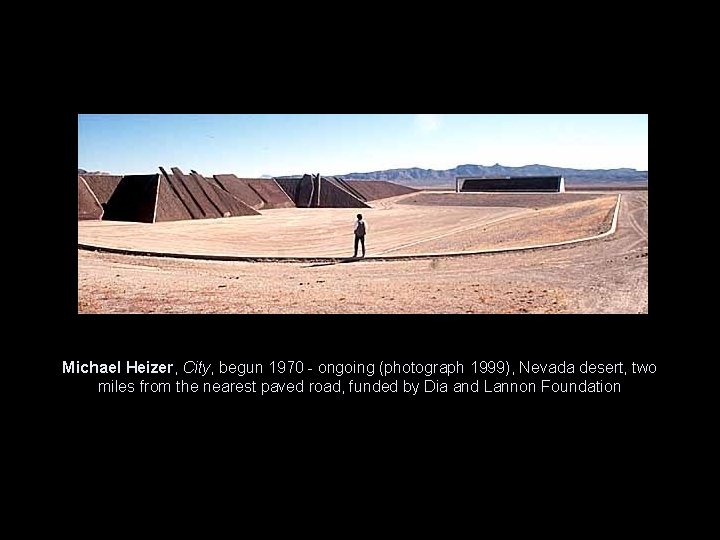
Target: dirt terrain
(545, 224)
(601, 276)
(294, 232)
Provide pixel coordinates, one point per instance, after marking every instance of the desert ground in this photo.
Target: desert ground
(607, 275)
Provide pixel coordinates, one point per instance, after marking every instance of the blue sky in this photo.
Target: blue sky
(278, 144)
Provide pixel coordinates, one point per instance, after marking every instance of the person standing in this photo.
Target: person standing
(360, 232)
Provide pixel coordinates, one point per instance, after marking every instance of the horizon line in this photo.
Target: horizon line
(422, 168)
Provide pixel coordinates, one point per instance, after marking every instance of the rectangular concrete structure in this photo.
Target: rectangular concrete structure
(545, 184)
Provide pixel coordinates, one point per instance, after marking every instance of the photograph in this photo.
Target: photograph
(423, 214)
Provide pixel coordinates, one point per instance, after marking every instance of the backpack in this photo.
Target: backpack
(360, 231)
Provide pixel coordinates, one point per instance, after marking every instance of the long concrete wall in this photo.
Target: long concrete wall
(552, 184)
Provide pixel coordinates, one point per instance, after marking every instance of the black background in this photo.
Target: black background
(412, 77)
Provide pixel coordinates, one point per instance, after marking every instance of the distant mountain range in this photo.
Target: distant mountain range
(431, 177)
(94, 173)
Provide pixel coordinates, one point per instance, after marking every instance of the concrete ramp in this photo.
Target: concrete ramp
(181, 192)
(225, 204)
(202, 200)
(212, 201)
(239, 189)
(270, 192)
(333, 195)
(169, 206)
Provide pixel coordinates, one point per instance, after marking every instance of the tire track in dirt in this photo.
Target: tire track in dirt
(634, 222)
(636, 229)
